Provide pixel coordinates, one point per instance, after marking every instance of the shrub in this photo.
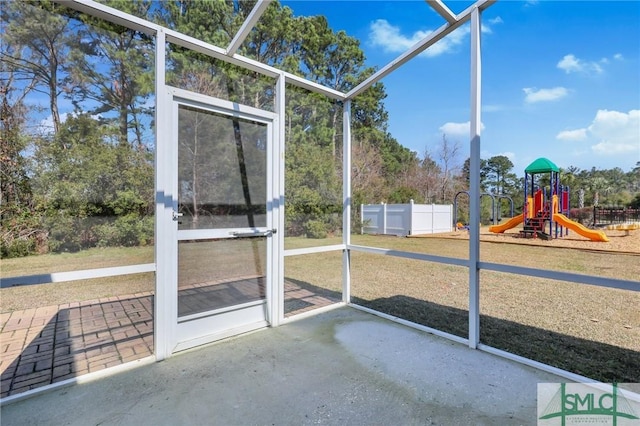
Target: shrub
(583, 216)
(17, 248)
(129, 230)
(64, 233)
(315, 229)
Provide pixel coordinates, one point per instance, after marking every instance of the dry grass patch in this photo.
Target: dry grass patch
(427, 293)
(86, 259)
(593, 331)
(34, 296)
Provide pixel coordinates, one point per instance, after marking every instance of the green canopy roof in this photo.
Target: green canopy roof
(542, 165)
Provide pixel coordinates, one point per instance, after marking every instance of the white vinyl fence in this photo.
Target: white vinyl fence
(406, 219)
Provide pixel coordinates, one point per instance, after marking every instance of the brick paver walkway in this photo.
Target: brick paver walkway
(53, 343)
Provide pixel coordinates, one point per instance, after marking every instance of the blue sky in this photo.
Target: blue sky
(560, 79)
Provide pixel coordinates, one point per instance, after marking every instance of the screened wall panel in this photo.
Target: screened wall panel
(77, 194)
(313, 169)
(588, 330)
(312, 281)
(430, 294)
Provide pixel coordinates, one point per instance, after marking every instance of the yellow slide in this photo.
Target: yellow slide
(511, 223)
(575, 226)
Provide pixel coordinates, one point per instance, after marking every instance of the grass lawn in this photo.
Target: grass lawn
(589, 330)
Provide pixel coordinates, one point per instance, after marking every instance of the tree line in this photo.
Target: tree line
(77, 130)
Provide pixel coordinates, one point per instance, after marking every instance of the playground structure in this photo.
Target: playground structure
(546, 208)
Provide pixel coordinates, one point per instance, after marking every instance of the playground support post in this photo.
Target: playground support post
(499, 206)
(483, 194)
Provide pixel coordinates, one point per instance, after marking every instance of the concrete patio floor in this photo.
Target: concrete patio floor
(341, 367)
(49, 344)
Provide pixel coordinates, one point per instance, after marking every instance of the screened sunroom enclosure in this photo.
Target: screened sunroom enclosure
(226, 255)
(189, 312)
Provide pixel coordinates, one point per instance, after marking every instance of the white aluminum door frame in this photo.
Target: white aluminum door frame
(167, 334)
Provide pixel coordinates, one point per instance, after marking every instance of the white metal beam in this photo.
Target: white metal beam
(442, 10)
(110, 14)
(278, 202)
(250, 64)
(213, 51)
(414, 51)
(314, 87)
(474, 181)
(419, 47)
(346, 203)
(85, 274)
(247, 26)
(166, 263)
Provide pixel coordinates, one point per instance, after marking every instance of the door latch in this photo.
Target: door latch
(176, 216)
(270, 232)
(267, 233)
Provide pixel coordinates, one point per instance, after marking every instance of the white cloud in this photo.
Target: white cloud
(46, 124)
(572, 135)
(390, 39)
(612, 148)
(533, 95)
(385, 35)
(616, 132)
(449, 43)
(570, 63)
(485, 27)
(618, 57)
(458, 129)
(610, 132)
(510, 155)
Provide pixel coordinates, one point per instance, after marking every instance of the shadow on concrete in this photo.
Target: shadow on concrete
(301, 296)
(596, 360)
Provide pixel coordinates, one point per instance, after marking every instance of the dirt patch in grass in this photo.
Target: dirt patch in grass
(618, 242)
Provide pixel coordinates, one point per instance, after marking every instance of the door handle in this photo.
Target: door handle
(176, 216)
(267, 233)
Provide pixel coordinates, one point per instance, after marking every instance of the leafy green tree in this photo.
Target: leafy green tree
(313, 190)
(277, 38)
(20, 231)
(112, 66)
(466, 169)
(210, 21)
(499, 175)
(35, 47)
(84, 179)
(429, 176)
